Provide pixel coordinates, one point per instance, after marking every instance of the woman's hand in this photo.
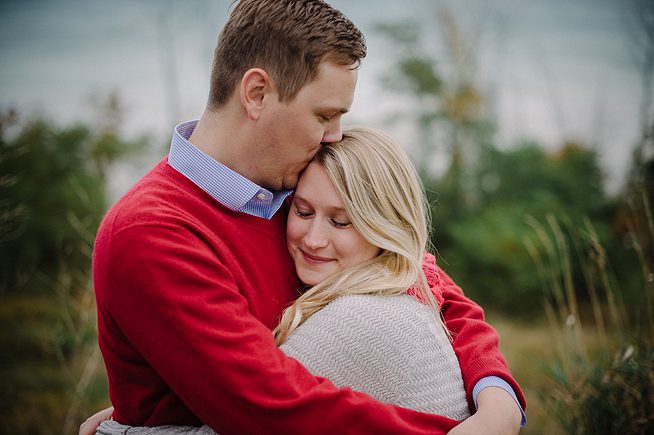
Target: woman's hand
(91, 424)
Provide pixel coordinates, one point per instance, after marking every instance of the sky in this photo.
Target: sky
(554, 70)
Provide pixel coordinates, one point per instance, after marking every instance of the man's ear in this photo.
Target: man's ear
(256, 88)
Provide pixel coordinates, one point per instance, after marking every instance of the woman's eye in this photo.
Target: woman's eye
(338, 224)
(302, 213)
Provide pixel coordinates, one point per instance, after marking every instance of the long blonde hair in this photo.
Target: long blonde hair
(384, 199)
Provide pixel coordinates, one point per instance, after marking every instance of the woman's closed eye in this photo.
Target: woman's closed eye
(339, 224)
(303, 213)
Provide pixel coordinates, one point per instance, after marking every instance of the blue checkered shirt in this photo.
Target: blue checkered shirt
(226, 186)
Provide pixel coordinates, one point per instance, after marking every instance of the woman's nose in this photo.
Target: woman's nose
(315, 237)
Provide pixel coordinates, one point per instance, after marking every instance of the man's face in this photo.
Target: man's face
(293, 132)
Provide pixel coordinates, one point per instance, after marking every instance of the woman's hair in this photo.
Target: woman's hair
(384, 200)
(288, 39)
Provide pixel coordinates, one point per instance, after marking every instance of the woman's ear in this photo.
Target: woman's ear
(256, 87)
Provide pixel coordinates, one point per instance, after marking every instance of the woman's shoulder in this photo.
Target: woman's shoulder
(361, 320)
(361, 303)
(374, 309)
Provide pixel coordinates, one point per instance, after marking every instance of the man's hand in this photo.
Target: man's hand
(91, 424)
(497, 414)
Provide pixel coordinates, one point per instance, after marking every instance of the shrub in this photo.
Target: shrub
(606, 387)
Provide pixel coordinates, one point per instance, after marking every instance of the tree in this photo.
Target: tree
(53, 198)
(451, 112)
(486, 249)
(481, 201)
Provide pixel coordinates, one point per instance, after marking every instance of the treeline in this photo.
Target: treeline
(493, 201)
(533, 233)
(491, 228)
(524, 231)
(52, 197)
(484, 242)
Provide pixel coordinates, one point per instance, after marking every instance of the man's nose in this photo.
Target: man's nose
(333, 133)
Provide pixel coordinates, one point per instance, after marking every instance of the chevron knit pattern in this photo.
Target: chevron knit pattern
(392, 348)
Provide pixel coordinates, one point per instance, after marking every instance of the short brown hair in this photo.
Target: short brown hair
(287, 38)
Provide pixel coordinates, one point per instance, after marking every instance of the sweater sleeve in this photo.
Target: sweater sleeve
(475, 342)
(182, 310)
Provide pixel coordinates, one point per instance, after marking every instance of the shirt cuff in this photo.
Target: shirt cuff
(495, 381)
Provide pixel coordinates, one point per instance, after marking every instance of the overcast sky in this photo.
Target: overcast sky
(555, 69)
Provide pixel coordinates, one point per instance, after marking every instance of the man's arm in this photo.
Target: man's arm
(497, 414)
(90, 425)
(195, 329)
(475, 342)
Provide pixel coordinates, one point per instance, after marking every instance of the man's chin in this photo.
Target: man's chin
(289, 183)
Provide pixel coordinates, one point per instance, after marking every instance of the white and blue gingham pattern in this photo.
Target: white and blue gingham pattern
(226, 186)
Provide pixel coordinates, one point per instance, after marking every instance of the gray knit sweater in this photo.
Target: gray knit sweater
(392, 348)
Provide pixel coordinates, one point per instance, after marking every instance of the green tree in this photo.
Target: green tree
(53, 192)
(481, 201)
(485, 247)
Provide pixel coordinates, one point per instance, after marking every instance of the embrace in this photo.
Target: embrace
(272, 274)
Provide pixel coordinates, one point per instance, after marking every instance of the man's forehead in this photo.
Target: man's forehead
(334, 77)
(331, 92)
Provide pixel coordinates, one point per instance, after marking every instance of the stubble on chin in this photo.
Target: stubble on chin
(290, 182)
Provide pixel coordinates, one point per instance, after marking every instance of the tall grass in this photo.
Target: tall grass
(607, 386)
(51, 367)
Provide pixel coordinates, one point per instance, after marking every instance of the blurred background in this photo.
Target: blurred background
(531, 124)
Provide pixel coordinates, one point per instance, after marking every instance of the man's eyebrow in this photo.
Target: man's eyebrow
(340, 110)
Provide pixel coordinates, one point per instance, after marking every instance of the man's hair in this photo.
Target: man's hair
(383, 197)
(286, 38)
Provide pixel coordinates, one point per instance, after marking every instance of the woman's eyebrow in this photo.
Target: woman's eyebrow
(332, 208)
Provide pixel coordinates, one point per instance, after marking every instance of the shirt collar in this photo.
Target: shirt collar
(226, 186)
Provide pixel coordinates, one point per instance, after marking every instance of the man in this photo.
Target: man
(190, 266)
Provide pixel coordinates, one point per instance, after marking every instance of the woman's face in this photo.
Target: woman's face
(320, 237)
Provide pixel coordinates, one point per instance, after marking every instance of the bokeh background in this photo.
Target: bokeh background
(531, 124)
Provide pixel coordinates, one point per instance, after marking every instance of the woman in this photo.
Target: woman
(357, 232)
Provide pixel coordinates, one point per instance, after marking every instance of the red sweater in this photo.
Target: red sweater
(187, 293)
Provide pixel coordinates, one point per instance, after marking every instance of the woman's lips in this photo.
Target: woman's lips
(312, 259)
